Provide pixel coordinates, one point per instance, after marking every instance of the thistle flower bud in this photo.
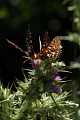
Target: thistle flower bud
(57, 78)
(57, 90)
(55, 70)
(36, 63)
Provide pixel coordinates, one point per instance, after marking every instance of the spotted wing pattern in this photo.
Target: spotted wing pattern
(46, 40)
(29, 44)
(53, 50)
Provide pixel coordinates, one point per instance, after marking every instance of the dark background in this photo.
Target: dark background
(42, 15)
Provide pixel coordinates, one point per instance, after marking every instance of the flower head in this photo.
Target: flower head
(57, 78)
(36, 63)
(55, 70)
(57, 90)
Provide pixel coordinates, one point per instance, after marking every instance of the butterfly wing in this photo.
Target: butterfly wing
(29, 43)
(46, 41)
(53, 49)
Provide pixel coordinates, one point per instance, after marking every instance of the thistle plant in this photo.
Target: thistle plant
(40, 96)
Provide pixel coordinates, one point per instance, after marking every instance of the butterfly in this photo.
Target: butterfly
(47, 50)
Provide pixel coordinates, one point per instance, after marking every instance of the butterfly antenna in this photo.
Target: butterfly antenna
(40, 45)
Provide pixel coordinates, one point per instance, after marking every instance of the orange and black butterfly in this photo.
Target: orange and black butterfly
(48, 49)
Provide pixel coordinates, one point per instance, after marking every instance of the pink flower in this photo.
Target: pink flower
(55, 70)
(57, 90)
(36, 63)
(57, 78)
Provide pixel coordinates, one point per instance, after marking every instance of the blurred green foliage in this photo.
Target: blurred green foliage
(16, 14)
